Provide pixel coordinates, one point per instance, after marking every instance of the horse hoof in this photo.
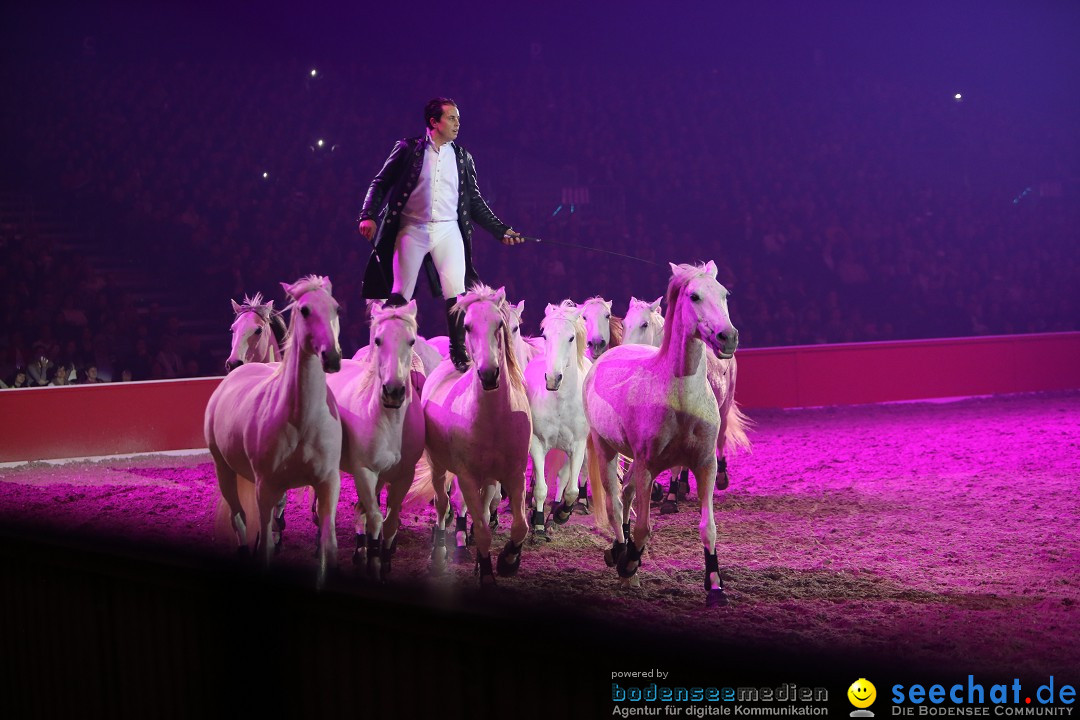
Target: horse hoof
(623, 565)
(722, 480)
(506, 567)
(561, 514)
(669, 507)
(612, 554)
(461, 555)
(716, 598)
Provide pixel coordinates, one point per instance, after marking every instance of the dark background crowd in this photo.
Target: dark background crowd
(845, 191)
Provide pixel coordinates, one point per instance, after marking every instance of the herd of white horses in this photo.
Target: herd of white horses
(658, 390)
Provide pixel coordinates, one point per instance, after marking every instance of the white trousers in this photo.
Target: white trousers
(447, 248)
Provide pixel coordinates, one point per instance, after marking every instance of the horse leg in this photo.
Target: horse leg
(714, 585)
(279, 520)
(614, 490)
(510, 557)
(538, 453)
(442, 503)
(568, 487)
(670, 505)
(230, 495)
(367, 495)
(396, 490)
(493, 505)
(641, 480)
(470, 490)
(267, 499)
(326, 494)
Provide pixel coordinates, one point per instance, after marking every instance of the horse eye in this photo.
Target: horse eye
(305, 311)
(570, 339)
(644, 326)
(258, 331)
(411, 343)
(466, 328)
(378, 341)
(608, 316)
(516, 329)
(695, 297)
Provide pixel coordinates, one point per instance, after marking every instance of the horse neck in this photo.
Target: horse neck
(303, 388)
(680, 350)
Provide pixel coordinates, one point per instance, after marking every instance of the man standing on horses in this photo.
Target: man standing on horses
(424, 198)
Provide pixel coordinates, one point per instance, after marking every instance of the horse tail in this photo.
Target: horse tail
(422, 490)
(596, 484)
(735, 431)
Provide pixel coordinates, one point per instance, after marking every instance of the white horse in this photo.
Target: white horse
(526, 348)
(277, 425)
(553, 382)
(656, 406)
(383, 428)
(478, 427)
(602, 329)
(645, 326)
(256, 333)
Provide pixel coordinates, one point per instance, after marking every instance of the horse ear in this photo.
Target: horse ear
(410, 308)
(519, 308)
(270, 305)
(674, 268)
(655, 304)
(710, 269)
(235, 307)
(288, 289)
(550, 309)
(326, 284)
(607, 304)
(500, 295)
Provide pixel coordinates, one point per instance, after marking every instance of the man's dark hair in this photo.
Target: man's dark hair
(434, 110)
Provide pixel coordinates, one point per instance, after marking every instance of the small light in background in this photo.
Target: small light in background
(265, 174)
(314, 72)
(958, 97)
(319, 142)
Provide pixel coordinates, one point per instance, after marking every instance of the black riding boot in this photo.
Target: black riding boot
(396, 300)
(455, 326)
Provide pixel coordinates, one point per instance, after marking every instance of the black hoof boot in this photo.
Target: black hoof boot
(359, 556)
(483, 571)
(582, 506)
(630, 561)
(657, 492)
(537, 527)
(722, 479)
(612, 555)
(714, 585)
(682, 488)
(561, 514)
(374, 558)
(385, 554)
(438, 551)
(455, 327)
(506, 566)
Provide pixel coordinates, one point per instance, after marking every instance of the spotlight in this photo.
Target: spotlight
(265, 175)
(314, 72)
(958, 97)
(319, 142)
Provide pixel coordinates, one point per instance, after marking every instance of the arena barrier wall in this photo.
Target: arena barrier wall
(117, 418)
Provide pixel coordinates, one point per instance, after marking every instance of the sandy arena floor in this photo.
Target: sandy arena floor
(945, 533)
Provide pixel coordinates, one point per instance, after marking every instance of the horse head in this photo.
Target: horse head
(313, 329)
(251, 335)
(643, 322)
(393, 335)
(596, 312)
(698, 300)
(487, 332)
(564, 341)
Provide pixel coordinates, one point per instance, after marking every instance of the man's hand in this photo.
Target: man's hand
(367, 228)
(512, 237)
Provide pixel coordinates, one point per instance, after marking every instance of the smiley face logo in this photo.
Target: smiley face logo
(862, 693)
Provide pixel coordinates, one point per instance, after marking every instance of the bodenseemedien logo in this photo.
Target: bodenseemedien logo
(862, 694)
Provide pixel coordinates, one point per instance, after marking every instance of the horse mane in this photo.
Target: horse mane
(379, 315)
(615, 323)
(298, 289)
(485, 293)
(567, 311)
(680, 276)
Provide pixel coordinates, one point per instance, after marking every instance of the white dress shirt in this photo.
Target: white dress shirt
(435, 197)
